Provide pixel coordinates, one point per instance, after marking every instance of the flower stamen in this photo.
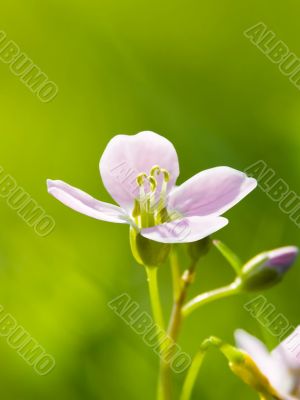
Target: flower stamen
(140, 179)
(153, 183)
(155, 170)
(167, 175)
(162, 212)
(149, 208)
(151, 200)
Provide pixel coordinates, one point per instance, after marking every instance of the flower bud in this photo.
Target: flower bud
(249, 373)
(268, 268)
(199, 248)
(148, 252)
(242, 365)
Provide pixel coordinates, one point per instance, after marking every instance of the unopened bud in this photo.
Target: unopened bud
(242, 365)
(268, 268)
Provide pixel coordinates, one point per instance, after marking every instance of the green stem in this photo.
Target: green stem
(198, 360)
(220, 293)
(178, 312)
(174, 326)
(172, 333)
(164, 389)
(192, 375)
(155, 297)
(195, 303)
(230, 256)
(175, 273)
(164, 385)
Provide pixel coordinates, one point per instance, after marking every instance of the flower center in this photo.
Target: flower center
(150, 205)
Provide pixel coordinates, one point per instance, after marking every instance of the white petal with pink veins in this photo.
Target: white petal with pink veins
(211, 192)
(127, 156)
(289, 351)
(86, 204)
(276, 371)
(185, 230)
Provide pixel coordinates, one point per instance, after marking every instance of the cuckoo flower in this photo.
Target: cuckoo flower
(140, 172)
(281, 366)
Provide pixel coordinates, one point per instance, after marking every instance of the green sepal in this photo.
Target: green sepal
(260, 280)
(148, 252)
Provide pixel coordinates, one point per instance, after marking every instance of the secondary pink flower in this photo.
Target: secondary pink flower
(140, 172)
(281, 366)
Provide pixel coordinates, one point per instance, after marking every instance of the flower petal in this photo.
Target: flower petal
(86, 204)
(127, 156)
(275, 371)
(184, 230)
(282, 258)
(288, 351)
(211, 192)
(255, 348)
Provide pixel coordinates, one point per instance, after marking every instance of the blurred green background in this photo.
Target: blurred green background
(184, 70)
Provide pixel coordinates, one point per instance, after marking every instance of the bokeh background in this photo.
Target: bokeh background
(184, 70)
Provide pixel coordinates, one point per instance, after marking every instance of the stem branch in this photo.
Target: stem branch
(216, 294)
(174, 325)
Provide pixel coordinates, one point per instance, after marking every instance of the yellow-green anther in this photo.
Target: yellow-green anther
(140, 179)
(153, 183)
(154, 170)
(148, 207)
(166, 173)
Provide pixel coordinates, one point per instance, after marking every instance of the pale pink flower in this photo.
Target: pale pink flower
(140, 172)
(281, 366)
